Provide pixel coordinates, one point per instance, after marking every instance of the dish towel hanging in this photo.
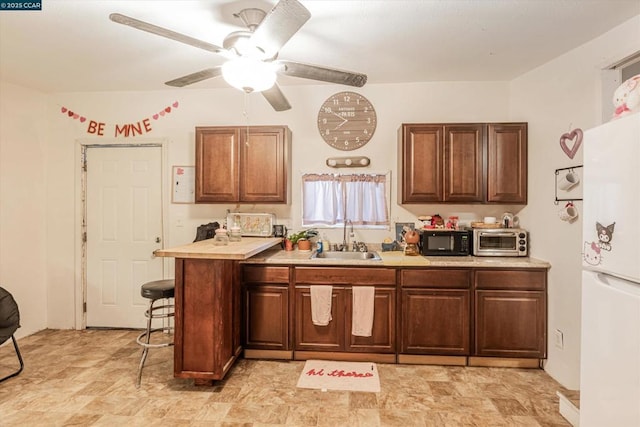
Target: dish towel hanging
(363, 302)
(321, 304)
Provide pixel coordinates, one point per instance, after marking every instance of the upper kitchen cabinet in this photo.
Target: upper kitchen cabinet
(507, 163)
(462, 163)
(243, 164)
(441, 163)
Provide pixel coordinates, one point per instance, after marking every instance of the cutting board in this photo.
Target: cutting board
(398, 258)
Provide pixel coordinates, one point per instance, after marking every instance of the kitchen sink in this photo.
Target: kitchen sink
(346, 255)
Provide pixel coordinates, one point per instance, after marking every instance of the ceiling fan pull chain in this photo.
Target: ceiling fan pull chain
(246, 115)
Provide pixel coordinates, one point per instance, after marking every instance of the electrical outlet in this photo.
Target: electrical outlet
(559, 339)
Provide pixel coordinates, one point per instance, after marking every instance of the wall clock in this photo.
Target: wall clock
(347, 120)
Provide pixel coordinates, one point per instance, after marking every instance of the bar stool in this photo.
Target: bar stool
(154, 291)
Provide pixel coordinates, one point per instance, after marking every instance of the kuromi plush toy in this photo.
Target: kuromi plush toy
(626, 98)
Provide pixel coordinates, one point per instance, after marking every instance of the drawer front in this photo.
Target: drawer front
(511, 279)
(350, 276)
(431, 278)
(261, 274)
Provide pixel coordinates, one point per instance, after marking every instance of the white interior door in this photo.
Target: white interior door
(124, 227)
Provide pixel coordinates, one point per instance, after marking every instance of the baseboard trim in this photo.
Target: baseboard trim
(504, 362)
(416, 359)
(268, 354)
(568, 410)
(345, 356)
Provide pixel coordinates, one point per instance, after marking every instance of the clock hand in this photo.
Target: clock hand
(340, 117)
(340, 124)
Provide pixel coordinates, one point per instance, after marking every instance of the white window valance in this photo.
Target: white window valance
(327, 197)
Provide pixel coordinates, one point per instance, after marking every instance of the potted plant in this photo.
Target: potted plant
(301, 238)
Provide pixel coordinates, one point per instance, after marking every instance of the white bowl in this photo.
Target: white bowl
(489, 220)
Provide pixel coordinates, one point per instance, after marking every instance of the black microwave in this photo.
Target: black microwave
(445, 242)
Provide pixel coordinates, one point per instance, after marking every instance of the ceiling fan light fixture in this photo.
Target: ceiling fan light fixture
(249, 75)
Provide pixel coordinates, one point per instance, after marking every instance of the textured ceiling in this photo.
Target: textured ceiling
(73, 46)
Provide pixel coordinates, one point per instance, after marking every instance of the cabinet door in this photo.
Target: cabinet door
(319, 338)
(266, 316)
(510, 323)
(435, 321)
(383, 336)
(463, 171)
(507, 163)
(263, 166)
(420, 161)
(217, 163)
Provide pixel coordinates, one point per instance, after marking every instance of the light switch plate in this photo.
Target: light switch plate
(559, 339)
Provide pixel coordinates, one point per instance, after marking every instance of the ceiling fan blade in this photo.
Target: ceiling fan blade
(324, 74)
(195, 77)
(154, 29)
(280, 24)
(276, 98)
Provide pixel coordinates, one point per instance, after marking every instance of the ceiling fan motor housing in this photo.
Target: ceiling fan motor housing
(251, 17)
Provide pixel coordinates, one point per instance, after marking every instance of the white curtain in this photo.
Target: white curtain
(324, 197)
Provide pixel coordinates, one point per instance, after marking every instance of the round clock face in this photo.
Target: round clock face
(347, 120)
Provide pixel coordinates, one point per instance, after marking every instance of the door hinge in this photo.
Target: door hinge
(84, 307)
(84, 237)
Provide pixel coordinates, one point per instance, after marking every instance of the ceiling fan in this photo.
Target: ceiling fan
(252, 54)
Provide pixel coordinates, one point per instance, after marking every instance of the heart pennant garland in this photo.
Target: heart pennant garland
(100, 125)
(575, 138)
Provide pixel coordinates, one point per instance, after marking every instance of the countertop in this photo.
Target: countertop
(205, 249)
(278, 256)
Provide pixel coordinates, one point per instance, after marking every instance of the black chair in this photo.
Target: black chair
(154, 291)
(9, 323)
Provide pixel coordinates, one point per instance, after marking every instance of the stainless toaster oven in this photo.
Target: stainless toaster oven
(509, 242)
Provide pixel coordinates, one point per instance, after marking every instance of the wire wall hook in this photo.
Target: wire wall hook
(566, 182)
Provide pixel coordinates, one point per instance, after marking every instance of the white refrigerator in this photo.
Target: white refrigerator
(610, 336)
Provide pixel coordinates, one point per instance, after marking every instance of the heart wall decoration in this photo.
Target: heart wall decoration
(120, 129)
(575, 139)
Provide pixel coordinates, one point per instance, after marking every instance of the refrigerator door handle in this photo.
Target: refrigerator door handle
(619, 284)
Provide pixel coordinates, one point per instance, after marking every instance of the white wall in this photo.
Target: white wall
(23, 144)
(561, 95)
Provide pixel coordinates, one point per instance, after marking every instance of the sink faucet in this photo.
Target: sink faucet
(345, 242)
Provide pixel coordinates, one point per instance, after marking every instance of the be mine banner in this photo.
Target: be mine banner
(126, 130)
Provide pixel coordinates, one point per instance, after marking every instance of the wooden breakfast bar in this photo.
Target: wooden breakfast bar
(208, 305)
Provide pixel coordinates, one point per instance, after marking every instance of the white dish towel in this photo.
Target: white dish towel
(321, 304)
(363, 302)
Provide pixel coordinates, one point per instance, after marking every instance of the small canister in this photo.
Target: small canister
(221, 237)
(235, 234)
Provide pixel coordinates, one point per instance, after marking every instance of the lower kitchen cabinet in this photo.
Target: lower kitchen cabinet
(435, 309)
(511, 313)
(266, 311)
(337, 336)
(458, 316)
(382, 339)
(435, 322)
(320, 338)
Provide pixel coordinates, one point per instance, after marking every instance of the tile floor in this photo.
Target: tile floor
(87, 378)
